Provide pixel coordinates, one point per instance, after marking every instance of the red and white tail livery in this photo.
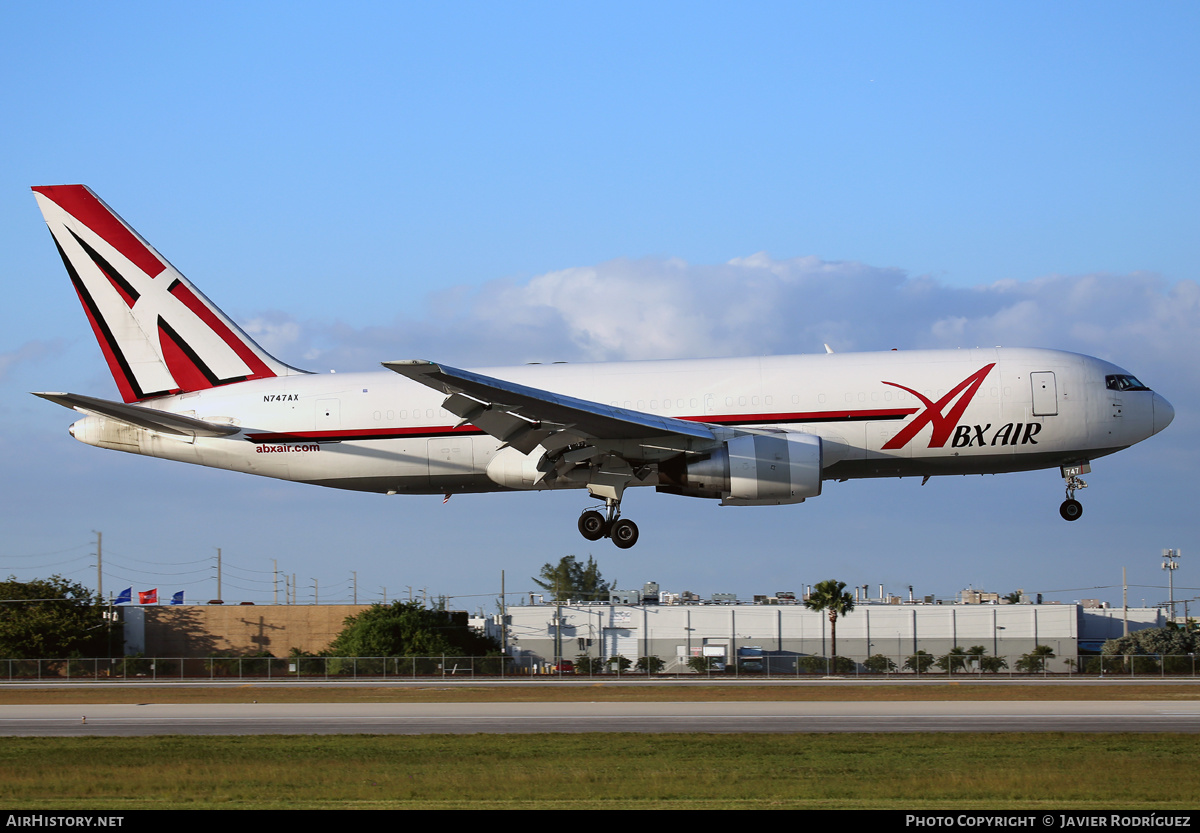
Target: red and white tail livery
(747, 432)
(159, 335)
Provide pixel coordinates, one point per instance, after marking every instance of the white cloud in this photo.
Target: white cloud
(665, 308)
(274, 332)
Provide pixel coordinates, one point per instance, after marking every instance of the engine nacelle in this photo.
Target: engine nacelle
(749, 470)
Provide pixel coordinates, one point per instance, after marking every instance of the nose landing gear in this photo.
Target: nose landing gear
(594, 526)
(1071, 509)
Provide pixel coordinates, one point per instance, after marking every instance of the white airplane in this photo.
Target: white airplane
(748, 432)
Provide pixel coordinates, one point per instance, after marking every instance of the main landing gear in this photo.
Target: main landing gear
(593, 525)
(1071, 509)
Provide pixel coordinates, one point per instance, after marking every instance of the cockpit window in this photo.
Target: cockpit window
(1123, 382)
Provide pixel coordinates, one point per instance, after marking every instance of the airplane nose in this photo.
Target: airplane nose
(1163, 413)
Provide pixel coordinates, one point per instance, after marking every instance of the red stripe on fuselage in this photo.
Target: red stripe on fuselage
(801, 416)
(351, 435)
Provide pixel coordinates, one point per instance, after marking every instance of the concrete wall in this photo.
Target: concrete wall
(202, 630)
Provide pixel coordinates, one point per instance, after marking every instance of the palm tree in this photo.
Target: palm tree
(829, 596)
(1035, 660)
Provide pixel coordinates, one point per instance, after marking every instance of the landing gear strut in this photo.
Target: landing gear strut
(1071, 509)
(594, 526)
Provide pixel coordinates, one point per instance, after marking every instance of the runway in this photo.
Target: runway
(682, 717)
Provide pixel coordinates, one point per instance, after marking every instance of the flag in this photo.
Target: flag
(125, 597)
(148, 597)
(177, 599)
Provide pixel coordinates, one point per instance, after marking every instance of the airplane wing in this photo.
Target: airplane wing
(525, 417)
(140, 416)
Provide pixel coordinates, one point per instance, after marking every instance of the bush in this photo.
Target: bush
(821, 665)
(650, 665)
(879, 664)
(591, 666)
(622, 664)
(1035, 661)
(919, 662)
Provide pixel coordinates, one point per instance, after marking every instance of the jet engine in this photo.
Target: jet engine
(749, 470)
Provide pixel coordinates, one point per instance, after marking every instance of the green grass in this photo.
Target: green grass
(969, 771)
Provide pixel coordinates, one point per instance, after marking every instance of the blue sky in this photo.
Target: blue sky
(483, 183)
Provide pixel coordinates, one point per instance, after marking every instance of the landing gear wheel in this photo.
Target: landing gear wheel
(624, 533)
(1070, 510)
(592, 525)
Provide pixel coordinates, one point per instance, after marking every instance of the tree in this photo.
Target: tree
(407, 629)
(879, 664)
(569, 580)
(591, 666)
(1035, 660)
(650, 665)
(919, 662)
(620, 663)
(956, 660)
(51, 618)
(828, 595)
(1168, 641)
(977, 655)
(1176, 646)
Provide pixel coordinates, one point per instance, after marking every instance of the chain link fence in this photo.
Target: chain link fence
(768, 666)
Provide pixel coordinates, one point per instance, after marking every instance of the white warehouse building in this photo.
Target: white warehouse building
(786, 633)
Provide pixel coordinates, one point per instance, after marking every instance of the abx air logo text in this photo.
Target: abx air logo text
(966, 436)
(943, 415)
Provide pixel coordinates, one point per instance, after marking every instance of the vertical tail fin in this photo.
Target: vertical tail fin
(158, 333)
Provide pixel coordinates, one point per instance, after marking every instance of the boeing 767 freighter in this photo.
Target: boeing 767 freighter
(747, 432)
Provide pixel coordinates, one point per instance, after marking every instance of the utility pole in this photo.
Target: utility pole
(219, 596)
(99, 564)
(1125, 602)
(1171, 565)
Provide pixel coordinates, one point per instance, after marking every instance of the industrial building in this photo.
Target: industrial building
(778, 631)
(782, 634)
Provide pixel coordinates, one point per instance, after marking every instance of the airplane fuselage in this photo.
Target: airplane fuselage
(877, 414)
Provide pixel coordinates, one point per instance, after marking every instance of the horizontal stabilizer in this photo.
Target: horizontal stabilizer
(142, 417)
